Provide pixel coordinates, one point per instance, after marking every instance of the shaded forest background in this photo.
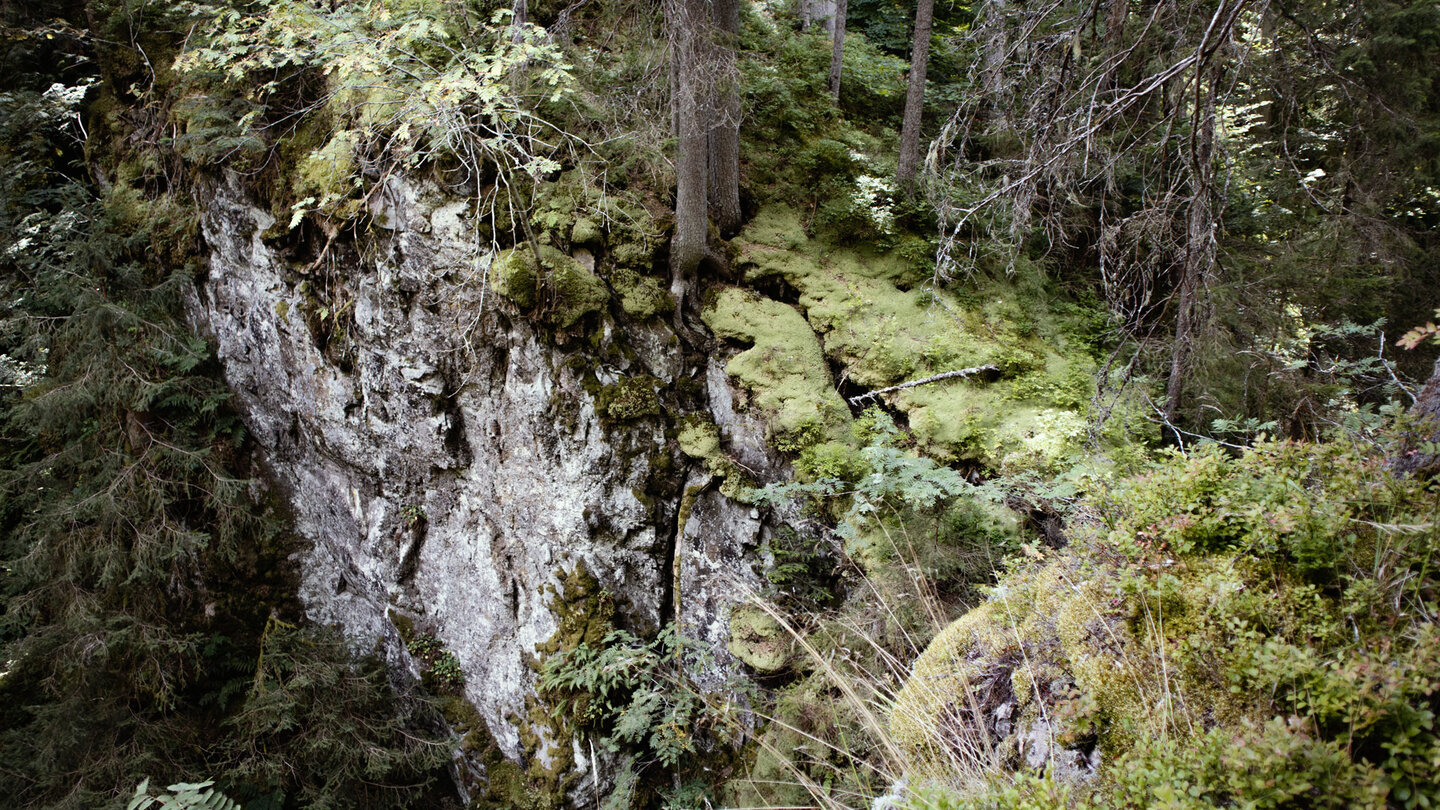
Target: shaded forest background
(1238, 203)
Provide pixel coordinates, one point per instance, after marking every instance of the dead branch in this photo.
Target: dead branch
(948, 375)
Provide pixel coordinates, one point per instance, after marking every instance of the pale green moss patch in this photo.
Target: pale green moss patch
(585, 232)
(640, 296)
(758, 640)
(699, 439)
(327, 177)
(784, 369)
(562, 289)
(883, 330)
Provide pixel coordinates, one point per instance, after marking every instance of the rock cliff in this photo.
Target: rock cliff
(452, 464)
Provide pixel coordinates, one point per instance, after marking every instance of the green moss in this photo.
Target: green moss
(687, 503)
(784, 369)
(629, 399)
(558, 286)
(1043, 627)
(758, 640)
(699, 438)
(328, 176)
(507, 785)
(641, 296)
(584, 611)
(585, 232)
(883, 330)
(516, 275)
(841, 461)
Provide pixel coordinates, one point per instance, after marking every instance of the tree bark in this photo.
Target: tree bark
(817, 11)
(837, 53)
(520, 11)
(914, 99)
(724, 191)
(997, 53)
(686, 20)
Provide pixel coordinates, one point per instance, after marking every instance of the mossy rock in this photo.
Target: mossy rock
(1051, 638)
(328, 177)
(699, 438)
(584, 611)
(586, 232)
(876, 324)
(629, 399)
(758, 640)
(558, 285)
(784, 369)
(641, 296)
(771, 780)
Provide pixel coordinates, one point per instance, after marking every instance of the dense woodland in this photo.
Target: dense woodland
(1207, 234)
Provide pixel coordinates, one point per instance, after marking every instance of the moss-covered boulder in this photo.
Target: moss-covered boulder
(987, 691)
(758, 640)
(784, 369)
(557, 286)
(641, 296)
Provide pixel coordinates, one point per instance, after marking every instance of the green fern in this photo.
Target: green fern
(183, 796)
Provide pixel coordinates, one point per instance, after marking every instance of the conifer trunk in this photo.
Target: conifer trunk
(837, 53)
(685, 19)
(519, 14)
(915, 99)
(724, 191)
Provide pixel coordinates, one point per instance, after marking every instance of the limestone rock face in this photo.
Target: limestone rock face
(447, 459)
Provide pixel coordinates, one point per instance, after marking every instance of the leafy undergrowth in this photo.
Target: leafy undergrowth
(1253, 630)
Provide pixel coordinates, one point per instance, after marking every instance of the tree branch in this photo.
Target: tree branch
(948, 375)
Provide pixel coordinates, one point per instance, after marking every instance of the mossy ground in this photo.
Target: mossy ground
(872, 314)
(784, 368)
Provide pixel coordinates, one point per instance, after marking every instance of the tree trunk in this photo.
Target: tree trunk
(724, 192)
(837, 54)
(817, 11)
(914, 100)
(686, 20)
(520, 12)
(1199, 258)
(992, 76)
(1115, 13)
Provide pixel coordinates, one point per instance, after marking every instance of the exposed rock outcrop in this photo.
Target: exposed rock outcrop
(452, 463)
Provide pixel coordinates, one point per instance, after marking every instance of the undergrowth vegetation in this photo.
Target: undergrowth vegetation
(1248, 629)
(145, 574)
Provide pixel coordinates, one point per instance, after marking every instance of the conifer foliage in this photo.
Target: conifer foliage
(143, 578)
